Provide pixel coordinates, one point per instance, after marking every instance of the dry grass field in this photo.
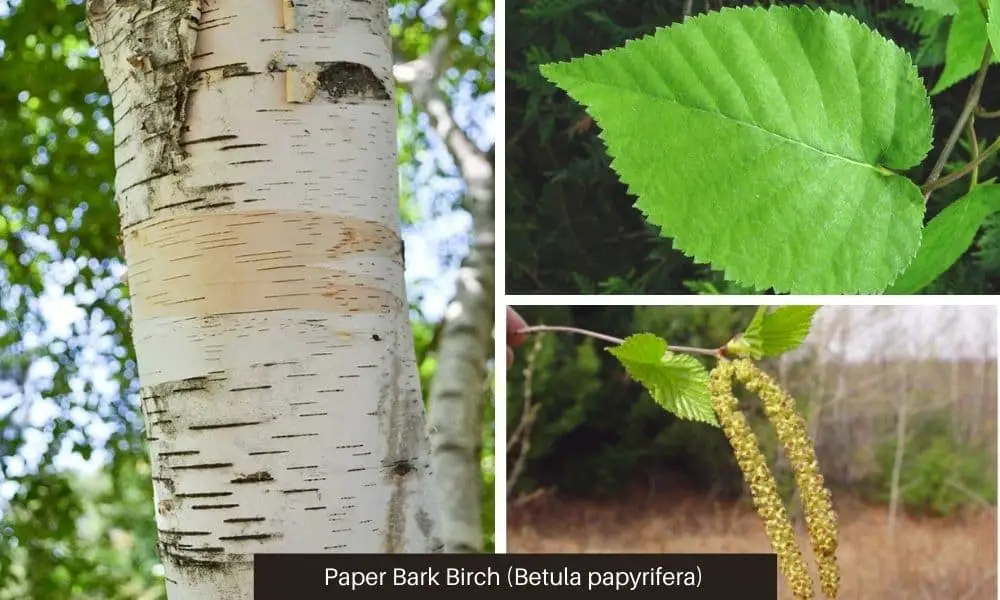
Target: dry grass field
(924, 559)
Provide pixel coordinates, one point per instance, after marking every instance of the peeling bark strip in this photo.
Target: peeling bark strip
(213, 264)
(279, 385)
(157, 57)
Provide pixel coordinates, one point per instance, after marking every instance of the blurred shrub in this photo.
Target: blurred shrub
(940, 473)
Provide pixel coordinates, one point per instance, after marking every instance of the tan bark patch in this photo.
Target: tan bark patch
(258, 261)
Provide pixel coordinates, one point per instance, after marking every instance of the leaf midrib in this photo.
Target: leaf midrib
(880, 169)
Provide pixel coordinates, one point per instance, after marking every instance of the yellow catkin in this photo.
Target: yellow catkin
(817, 504)
(758, 477)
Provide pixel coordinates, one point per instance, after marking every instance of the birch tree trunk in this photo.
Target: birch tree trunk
(256, 180)
(457, 390)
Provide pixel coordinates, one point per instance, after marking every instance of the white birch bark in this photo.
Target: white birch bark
(256, 179)
(457, 390)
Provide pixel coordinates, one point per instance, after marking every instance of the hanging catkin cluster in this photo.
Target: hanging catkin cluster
(791, 430)
(817, 504)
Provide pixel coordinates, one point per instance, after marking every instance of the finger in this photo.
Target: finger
(510, 356)
(515, 323)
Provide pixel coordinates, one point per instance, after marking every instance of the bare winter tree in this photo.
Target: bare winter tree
(257, 186)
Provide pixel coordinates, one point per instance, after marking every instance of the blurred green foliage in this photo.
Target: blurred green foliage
(596, 431)
(571, 227)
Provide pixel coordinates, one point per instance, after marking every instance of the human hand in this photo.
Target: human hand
(514, 324)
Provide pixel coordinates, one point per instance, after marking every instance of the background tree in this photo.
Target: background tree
(74, 479)
(571, 226)
(456, 395)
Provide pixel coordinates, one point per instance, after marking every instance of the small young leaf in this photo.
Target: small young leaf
(944, 7)
(947, 237)
(677, 382)
(777, 332)
(749, 343)
(967, 41)
(764, 141)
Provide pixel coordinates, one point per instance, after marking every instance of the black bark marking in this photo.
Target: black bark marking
(203, 466)
(176, 556)
(424, 523)
(237, 70)
(204, 495)
(181, 203)
(250, 536)
(249, 162)
(350, 81)
(214, 138)
(214, 205)
(402, 468)
(241, 146)
(217, 187)
(258, 477)
(294, 435)
(190, 384)
(224, 425)
(255, 387)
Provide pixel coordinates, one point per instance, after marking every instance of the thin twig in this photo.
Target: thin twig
(565, 329)
(974, 150)
(608, 338)
(522, 433)
(982, 113)
(971, 102)
(965, 170)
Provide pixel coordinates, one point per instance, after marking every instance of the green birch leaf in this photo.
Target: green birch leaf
(677, 382)
(967, 41)
(773, 333)
(944, 7)
(947, 238)
(763, 141)
(749, 342)
(786, 328)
